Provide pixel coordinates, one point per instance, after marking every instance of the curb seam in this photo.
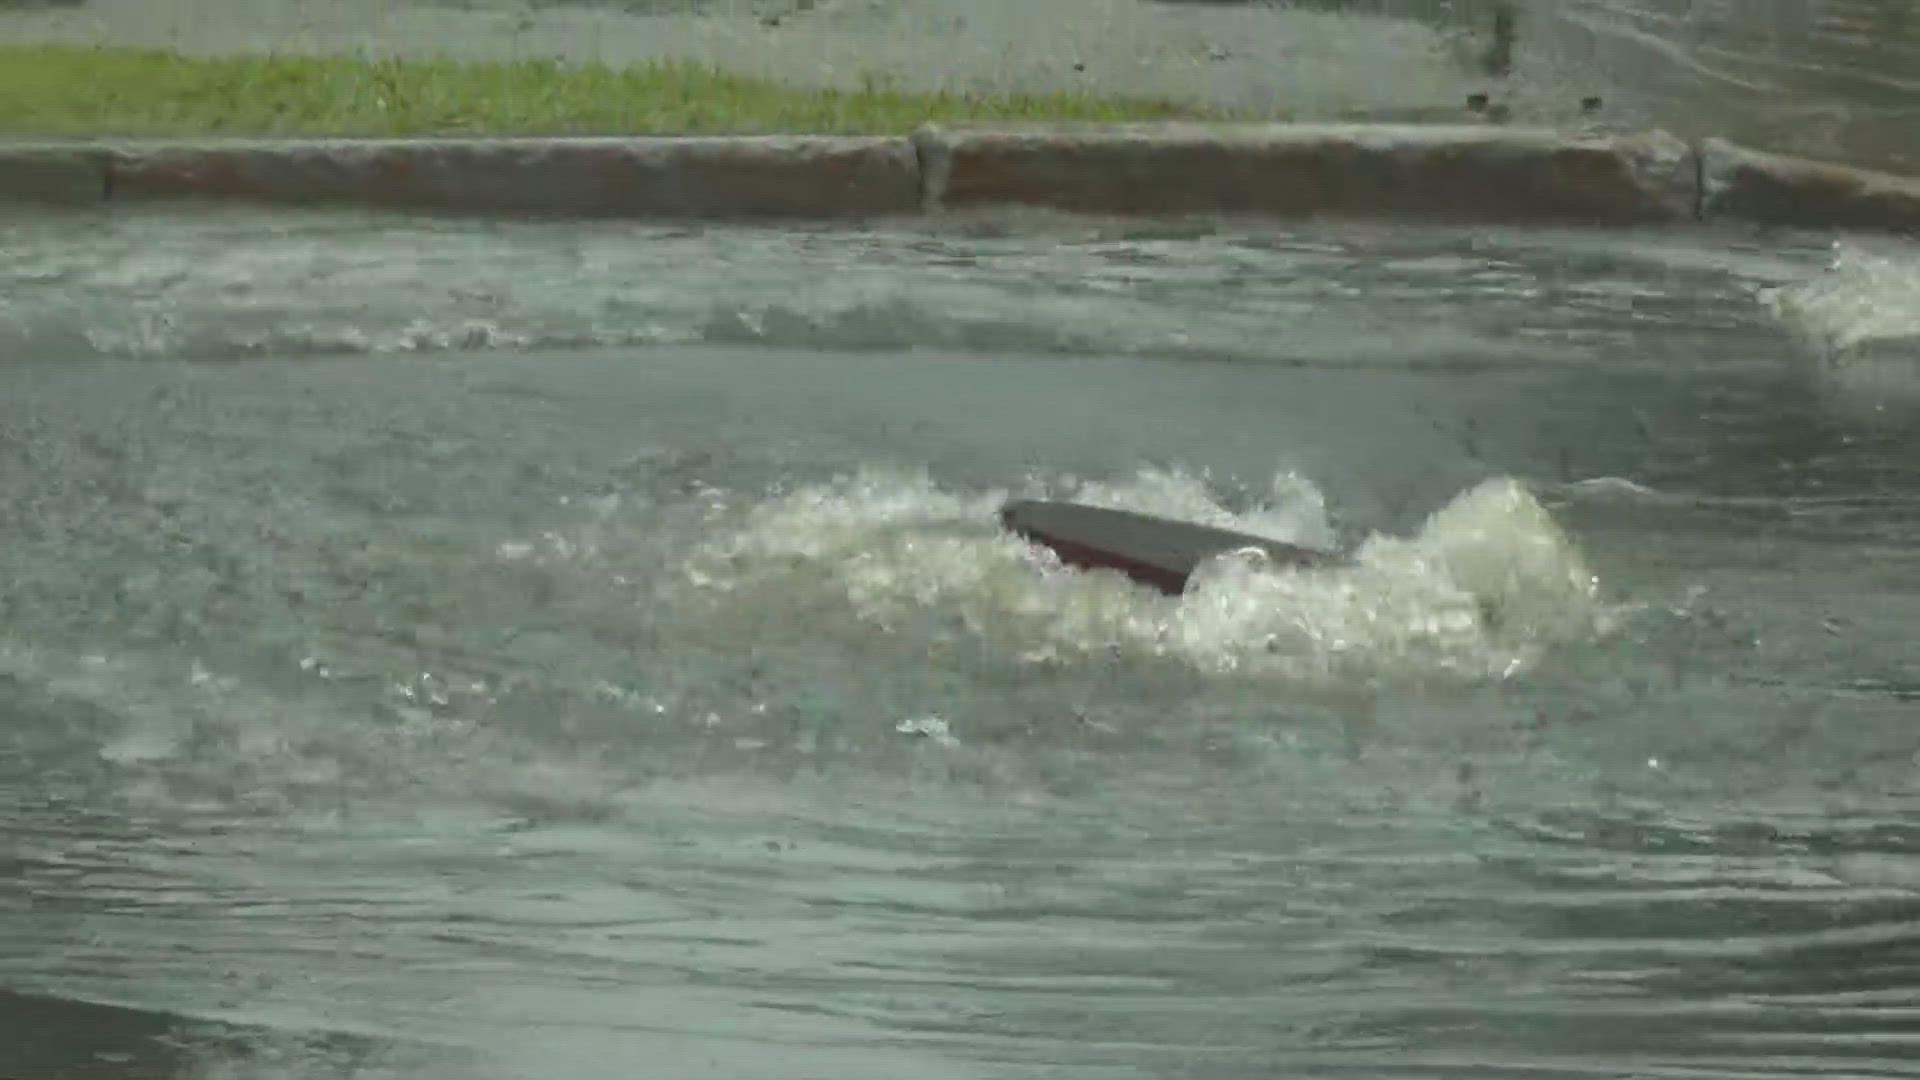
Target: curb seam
(932, 161)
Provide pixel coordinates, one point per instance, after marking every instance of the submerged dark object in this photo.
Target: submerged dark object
(1155, 551)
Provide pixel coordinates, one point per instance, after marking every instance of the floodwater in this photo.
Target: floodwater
(1839, 79)
(432, 648)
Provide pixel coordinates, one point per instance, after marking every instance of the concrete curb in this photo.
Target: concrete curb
(1498, 173)
(757, 176)
(1771, 189)
(56, 175)
(1301, 169)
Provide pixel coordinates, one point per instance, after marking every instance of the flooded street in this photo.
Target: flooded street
(422, 666)
(513, 650)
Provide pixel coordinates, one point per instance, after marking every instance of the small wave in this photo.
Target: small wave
(154, 334)
(1861, 320)
(1037, 326)
(160, 285)
(1867, 299)
(1614, 489)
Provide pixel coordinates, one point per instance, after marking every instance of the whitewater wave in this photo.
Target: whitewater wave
(1860, 319)
(1481, 590)
(1866, 299)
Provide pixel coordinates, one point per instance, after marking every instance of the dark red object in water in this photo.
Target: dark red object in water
(1154, 551)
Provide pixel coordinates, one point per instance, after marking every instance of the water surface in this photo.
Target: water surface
(601, 658)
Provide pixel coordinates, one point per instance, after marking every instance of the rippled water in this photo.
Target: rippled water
(432, 648)
(435, 649)
(246, 283)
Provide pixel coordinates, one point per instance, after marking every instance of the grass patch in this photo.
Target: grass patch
(62, 90)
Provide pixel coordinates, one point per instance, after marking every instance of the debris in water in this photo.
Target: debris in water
(931, 726)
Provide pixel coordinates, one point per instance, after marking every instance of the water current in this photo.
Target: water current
(433, 648)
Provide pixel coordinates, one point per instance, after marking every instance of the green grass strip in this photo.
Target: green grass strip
(63, 90)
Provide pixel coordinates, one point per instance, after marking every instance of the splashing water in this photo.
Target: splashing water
(1868, 295)
(1861, 319)
(1481, 590)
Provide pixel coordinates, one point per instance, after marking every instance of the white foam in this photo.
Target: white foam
(247, 284)
(1615, 487)
(1481, 590)
(1861, 319)
(1869, 294)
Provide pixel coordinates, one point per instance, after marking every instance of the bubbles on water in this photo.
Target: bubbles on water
(1482, 590)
